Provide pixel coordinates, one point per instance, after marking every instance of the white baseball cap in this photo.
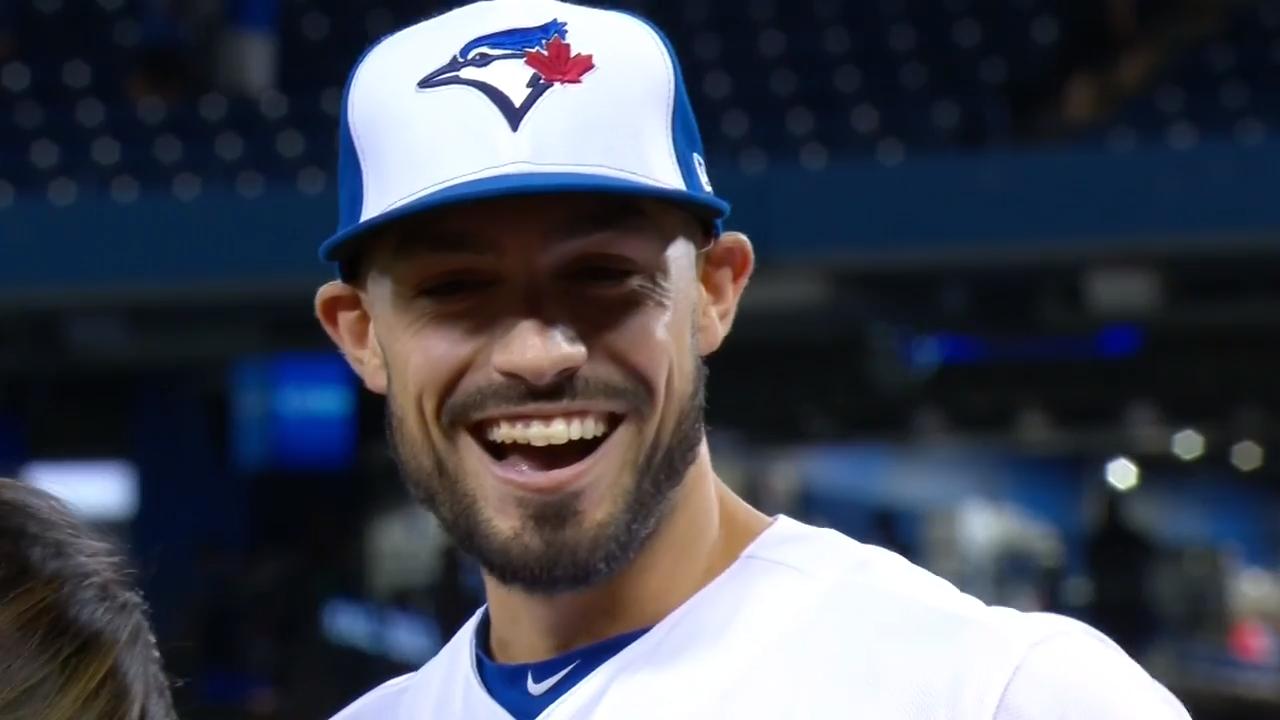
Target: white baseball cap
(515, 97)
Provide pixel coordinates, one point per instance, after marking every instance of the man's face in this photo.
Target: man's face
(544, 386)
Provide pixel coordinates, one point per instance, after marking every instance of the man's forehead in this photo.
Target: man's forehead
(481, 228)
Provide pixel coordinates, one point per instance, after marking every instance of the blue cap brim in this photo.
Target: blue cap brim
(705, 205)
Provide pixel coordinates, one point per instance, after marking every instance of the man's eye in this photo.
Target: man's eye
(454, 288)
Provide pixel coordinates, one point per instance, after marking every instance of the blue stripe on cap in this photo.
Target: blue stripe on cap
(687, 139)
(701, 203)
(350, 174)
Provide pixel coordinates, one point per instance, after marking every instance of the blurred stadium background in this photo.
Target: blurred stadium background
(1016, 317)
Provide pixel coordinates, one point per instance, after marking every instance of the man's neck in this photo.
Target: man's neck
(706, 529)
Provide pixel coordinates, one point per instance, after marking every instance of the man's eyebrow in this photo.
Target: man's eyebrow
(413, 242)
(612, 217)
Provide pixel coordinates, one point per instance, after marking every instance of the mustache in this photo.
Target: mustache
(460, 410)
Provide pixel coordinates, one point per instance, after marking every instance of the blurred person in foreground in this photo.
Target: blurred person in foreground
(532, 272)
(75, 641)
(1121, 559)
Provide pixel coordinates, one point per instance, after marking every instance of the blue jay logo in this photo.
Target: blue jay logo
(514, 88)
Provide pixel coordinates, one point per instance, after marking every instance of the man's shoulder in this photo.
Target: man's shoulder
(380, 702)
(872, 591)
(909, 626)
(1078, 669)
(837, 565)
(401, 697)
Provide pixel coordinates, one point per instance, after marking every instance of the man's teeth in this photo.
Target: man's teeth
(547, 431)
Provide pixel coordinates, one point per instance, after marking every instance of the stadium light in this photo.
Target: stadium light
(1247, 455)
(1123, 474)
(1187, 444)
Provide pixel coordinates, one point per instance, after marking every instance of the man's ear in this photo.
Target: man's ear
(341, 310)
(723, 271)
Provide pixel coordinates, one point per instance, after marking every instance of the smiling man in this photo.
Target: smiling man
(533, 269)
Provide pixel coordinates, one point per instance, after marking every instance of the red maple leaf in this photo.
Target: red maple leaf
(556, 65)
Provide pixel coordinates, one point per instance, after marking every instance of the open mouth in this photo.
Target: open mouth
(543, 444)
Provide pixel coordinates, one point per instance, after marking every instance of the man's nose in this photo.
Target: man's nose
(538, 353)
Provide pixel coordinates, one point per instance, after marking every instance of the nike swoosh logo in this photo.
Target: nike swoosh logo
(537, 688)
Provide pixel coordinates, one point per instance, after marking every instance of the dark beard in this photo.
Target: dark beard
(552, 552)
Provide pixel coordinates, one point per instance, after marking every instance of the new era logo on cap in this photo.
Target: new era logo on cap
(507, 97)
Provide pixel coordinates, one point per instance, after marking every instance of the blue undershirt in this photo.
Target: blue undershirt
(527, 689)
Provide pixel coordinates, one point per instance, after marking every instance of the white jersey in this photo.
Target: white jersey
(809, 623)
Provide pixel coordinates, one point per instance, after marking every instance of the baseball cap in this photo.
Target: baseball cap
(515, 97)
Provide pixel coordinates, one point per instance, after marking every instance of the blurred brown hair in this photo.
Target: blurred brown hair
(75, 640)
